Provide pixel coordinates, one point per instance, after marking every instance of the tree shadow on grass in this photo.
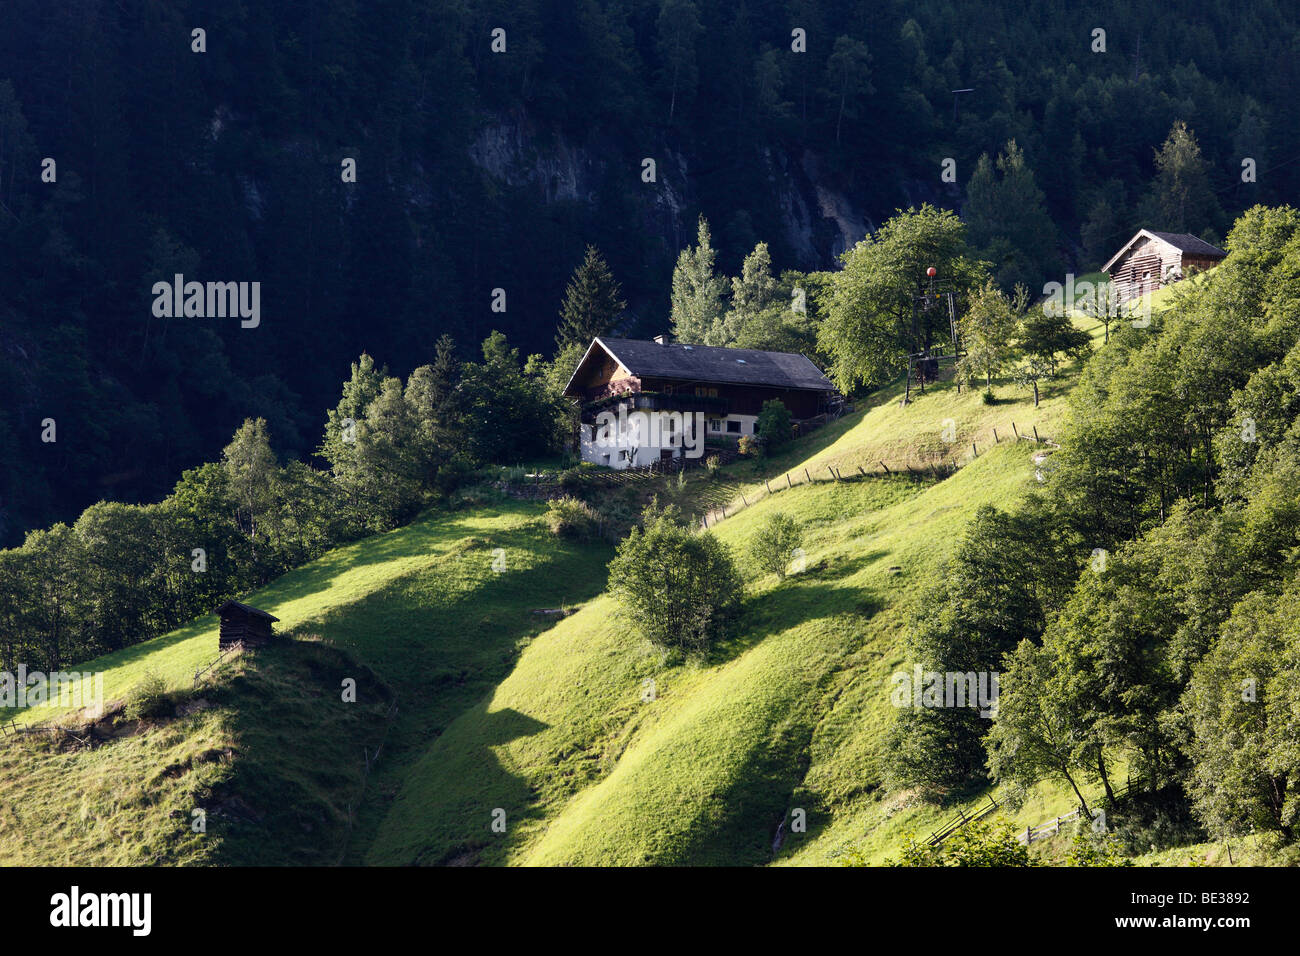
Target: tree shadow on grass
(801, 598)
(457, 796)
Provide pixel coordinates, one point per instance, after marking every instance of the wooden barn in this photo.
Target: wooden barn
(725, 388)
(1153, 259)
(242, 623)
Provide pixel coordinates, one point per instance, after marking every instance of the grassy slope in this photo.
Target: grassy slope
(275, 755)
(789, 716)
(556, 733)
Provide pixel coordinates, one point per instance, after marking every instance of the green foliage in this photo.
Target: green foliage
(774, 427)
(1008, 220)
(697, 291)
(1086, 851)
(1044, 337)
(571, 518)
(773, 544)
(1181, 199)
(988, 333)
(978, 843)
(677, 588)
(872, 322)
(147, 699)
(592, 303)
(1008, 573)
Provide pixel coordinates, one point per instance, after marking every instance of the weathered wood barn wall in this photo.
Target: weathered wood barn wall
(1153, 259)
(243, 623)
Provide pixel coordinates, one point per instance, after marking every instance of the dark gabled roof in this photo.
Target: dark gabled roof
(246, 609)
(1189, 243)
(708, 363)
(1183, 241)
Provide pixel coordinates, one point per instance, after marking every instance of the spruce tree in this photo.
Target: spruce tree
(592, 302)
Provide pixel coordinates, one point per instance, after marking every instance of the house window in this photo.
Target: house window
(715, 425)
(733, 428)
(622, 456)
(754, 427)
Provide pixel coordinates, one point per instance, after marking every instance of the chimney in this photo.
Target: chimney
(661, 340)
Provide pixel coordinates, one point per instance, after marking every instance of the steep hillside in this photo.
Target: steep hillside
(591, 746)
(418, 618)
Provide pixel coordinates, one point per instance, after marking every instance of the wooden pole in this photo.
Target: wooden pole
(1013, 428)
(769, 487)
(808, 476)
(974, 451)
(886, 467)
(996, 439)
(1036, 438)
(788, 483)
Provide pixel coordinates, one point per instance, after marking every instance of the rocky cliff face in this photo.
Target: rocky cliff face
(819, 219)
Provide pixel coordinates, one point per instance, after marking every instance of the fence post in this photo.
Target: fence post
(769, 487)
(1036, 438)
(787, 480)
(996, 439)
(975, 452)
(886, 467)
(1015, 430)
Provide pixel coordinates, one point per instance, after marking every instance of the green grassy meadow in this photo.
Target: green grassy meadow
(486, 733)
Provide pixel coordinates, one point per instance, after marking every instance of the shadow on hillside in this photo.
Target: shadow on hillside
(437, 641)
(488, 810)
(801, 598)
(284, 791)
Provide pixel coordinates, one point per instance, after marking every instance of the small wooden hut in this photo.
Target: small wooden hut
(1153, 259)
(243, 623)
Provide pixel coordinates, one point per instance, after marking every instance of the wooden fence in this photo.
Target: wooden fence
(1053, 827)
(208, 668)
(963, 818)
(934, 468)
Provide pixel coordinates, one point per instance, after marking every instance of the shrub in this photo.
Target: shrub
(774, 426)
(988, 396)
(571, 518)
(750, 445)
(976, 844)
(772, 544)
(712, 464)
(571, 479)
(147, 698)
(676, 587)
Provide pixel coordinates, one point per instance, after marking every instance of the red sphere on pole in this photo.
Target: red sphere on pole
(931, 272)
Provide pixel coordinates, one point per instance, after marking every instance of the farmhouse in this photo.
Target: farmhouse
(695, 388)
(1153, 259)
(243, 623)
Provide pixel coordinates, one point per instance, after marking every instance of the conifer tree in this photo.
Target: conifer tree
(592, 302)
